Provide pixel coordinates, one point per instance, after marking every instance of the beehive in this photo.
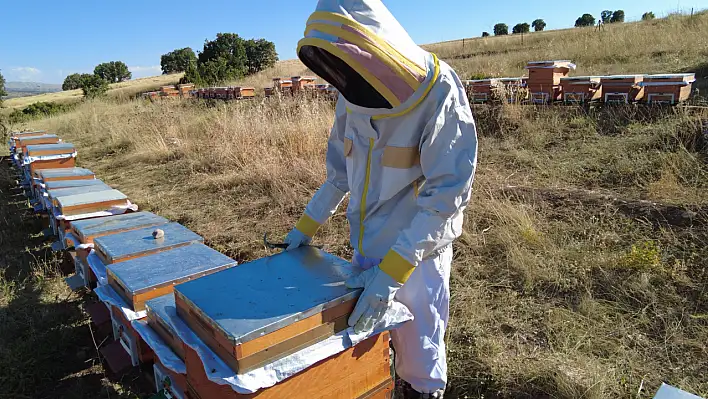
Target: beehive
(300, 83)
(15, 137)
(50, 175)
(121, 247)
(362, 371)
(667, 89)
(141, 279)
(622, 89)
(50, 156)
(24, 141)
(544, 79)
(132, 342)
(89, 229)
(306, 301)
(71, 183)
(479, 91)
(85, 203)
(54, 193)
(581, 89)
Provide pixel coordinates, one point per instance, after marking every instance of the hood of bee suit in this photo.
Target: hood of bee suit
(362, 50)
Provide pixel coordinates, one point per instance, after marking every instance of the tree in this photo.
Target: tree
(485, 34)
(606, 16)
(538, 25)
(501, 29)
(223, 58)
(2, 88)
(73, 81)
(585, 20)
(178, 60)
(648, 16)
(521, 28)
(260, 54)
(113, 72)
(94, 86)
(617, 16)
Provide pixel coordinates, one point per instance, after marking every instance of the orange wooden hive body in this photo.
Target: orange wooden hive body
(622, 88)
(176, 379)
(144, 352)
(362, 371)
(667, 89)
(50, 150)
(581, 89)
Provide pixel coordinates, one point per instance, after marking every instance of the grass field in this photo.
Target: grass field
(581, 272)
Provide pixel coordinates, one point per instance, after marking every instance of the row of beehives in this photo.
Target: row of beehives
(298, 85)
(171, 91)
(156, 281)
(548, 82)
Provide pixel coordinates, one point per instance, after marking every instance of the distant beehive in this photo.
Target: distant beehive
(581, 89)
(667, 89)
(544, 80)
(300, 83)
(622, 89)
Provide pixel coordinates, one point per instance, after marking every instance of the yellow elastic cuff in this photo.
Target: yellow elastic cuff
(307, 225)
(396, 266)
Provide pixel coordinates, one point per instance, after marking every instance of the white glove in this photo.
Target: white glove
(295, 239)
(379, 290)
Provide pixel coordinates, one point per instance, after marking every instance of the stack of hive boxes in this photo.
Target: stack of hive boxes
(168, 300)
(581, 89)
(545, 78)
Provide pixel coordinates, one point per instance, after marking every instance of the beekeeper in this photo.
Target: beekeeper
(404, 144)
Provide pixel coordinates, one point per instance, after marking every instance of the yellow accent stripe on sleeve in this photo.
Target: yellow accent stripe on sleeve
(436, 73)
(338, 18)
(373, 80)
(362, 212)
(396, 266)
(307, 225)
(386, 58)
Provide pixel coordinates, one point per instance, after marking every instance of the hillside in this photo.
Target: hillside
(581, 271)
(24, 89)
(122, 90)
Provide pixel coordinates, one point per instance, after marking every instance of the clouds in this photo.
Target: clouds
(23, 74)
(144, 71)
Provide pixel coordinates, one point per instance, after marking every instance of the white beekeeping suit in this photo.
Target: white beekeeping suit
(404, 145)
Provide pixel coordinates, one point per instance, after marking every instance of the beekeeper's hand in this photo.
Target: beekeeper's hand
(296, 239)
(379, 290)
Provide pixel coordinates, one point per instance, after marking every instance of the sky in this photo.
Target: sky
(46, 40)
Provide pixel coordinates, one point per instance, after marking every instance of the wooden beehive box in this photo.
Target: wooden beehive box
(89, 229)
(302, 82)
(668, 88)
(71, 183)
(581, 89)
(141, 279)
(50, 175)
(247, 92)
(79, 204)
(267, 91)
(306, 302)
(159, 311)
(15, 137)
(55, 193)
(548, 72)
(362, 371)
(622, 88)
(121, 247)
(64, 150)
(24, 141)
(479, 90)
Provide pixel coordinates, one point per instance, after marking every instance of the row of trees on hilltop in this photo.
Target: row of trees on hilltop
(538, 25)
(502, 29)
(228, 57)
